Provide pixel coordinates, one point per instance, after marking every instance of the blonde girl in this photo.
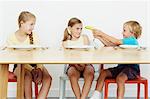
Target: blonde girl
(72, 36)
(25, 36)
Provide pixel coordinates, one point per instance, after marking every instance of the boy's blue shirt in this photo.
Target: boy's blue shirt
(130, 41)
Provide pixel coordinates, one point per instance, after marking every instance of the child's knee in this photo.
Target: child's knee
(121, 79)
(47, 78)
(89, 75)
(103, 73)
(28, 75)
(50, 77)
(71, 73)
(90, 72)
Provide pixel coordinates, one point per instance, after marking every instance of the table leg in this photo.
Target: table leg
(20, 82)
(3, 80)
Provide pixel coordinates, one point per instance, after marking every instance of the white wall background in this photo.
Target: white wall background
(52, 18)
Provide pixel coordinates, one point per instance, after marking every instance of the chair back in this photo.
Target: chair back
(65, 67)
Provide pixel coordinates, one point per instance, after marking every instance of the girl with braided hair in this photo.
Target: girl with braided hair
(25, 36)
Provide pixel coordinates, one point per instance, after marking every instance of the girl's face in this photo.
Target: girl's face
(126, 32)
(28, 26)
(76, 30)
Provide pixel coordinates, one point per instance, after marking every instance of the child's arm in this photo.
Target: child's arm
(98, 33)
(64, 44)
(86, 40)
(105, 42)
(3, 47)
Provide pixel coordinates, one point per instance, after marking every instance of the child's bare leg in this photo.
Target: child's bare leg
(101, 78)
(88, 79)
(74, 76)
(28, 84)
(46, 83)
(121, 78)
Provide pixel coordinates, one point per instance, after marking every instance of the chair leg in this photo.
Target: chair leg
(106, 91)
(62, 87)
(146, 90)
(36, 91)
(138, 90)
(102, 94)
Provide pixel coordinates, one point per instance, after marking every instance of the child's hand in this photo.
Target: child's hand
(37, 75)
(11, 75)
(80, 67)
(3, 47)
(34, 74)
(96, 33)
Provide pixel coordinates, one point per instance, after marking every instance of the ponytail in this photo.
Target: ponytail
(67, 35)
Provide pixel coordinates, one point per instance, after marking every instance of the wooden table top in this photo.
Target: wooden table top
(104, 55)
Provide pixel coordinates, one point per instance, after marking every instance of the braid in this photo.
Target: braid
(31, 42)
(31, 38)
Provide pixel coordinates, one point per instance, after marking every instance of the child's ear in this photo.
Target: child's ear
(21, 22)
(68, 29)
(131, 32)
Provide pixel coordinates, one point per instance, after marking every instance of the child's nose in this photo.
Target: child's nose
(80, 31)
(32, 28)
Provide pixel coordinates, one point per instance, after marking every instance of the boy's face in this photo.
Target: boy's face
(76, 30)
(126, 32)
(28, 26)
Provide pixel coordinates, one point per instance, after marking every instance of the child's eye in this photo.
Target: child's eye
(32, 24)
(79, 28)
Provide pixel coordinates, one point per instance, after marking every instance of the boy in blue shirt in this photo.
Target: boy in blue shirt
(131, 31)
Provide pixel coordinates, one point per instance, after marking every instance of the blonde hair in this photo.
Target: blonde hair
(72, 22)
(23, 17)
(134, 27)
